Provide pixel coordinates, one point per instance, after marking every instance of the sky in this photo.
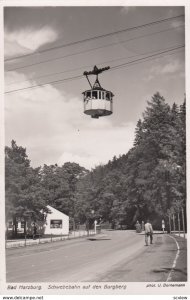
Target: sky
(48, 120)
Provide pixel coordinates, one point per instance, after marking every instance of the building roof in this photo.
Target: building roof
(52, 209)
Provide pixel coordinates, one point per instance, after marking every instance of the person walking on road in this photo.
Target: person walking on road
(138, 227)
(148, 232)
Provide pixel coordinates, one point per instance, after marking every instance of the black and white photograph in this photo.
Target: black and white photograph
(95, 168)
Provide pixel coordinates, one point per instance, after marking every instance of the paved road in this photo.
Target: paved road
(118, 256)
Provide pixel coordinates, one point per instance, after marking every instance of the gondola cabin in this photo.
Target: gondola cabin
(98, 102)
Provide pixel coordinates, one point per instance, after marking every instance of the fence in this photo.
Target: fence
(50, 239)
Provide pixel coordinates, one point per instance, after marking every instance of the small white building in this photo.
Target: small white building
(56, 222)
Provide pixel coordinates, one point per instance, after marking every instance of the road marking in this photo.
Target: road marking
(175, 260)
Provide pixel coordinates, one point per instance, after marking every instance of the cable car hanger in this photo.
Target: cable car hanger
(95, 71)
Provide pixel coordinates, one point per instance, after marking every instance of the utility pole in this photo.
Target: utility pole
(178, 222)
(183, 222)
(174, 222)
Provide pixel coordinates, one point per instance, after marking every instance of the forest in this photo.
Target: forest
(149, 181)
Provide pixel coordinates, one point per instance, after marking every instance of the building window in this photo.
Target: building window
(55, 223)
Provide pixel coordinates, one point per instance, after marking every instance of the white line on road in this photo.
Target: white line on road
(175, 260)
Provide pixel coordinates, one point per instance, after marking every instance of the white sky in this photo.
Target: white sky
(49, 121)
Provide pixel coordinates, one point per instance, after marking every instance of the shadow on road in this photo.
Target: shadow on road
(165, 270)
(98, 240)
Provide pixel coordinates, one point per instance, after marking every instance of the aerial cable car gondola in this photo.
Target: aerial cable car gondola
(97, 101)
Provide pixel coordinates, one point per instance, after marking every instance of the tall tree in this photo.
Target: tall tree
(60, 184)
(22, 187)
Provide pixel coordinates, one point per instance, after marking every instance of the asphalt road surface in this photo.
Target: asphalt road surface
(115, 256)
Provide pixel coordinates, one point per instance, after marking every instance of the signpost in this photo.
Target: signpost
(95, 223)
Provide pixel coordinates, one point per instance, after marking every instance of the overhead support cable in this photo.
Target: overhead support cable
(89, 66)
(88, 50)
(153, 55)
(94, 38)
(149, 57)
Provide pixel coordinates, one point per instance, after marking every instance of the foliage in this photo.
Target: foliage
(24, 196)
(60, 184)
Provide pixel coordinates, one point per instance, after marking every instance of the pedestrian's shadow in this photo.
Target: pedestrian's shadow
(98, 240)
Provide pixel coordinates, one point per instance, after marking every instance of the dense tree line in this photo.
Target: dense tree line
(148, 181)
